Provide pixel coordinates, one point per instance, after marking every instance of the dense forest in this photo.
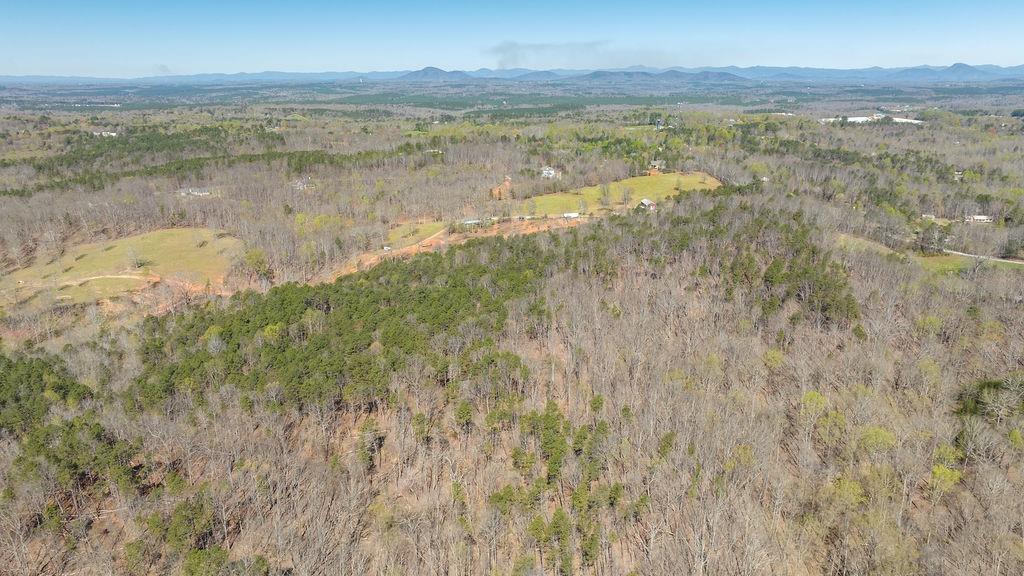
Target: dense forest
(815, 368)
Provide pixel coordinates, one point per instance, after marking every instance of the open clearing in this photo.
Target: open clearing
(91, 272)
(412, 233)
(938, 263)
(656, 188)
(443, 238)
(195, 257)
(942, 263)
(856, 243)
(415, 237)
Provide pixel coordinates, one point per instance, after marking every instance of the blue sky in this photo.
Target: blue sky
(142, 38)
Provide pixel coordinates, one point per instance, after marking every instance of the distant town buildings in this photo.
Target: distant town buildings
(895, 109)
(872, 118)
(105, 134)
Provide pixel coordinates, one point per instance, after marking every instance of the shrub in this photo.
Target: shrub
(948, 455)
(1016, 438)
(876, 439)
(77, 452)
(190, 524)
(206, 562)
(665, 444)
(464, 415)
(831, 428)
(846, 493)
(773, 359)
(370, 443)
(943, 478)
(29, 387)
(812, 404)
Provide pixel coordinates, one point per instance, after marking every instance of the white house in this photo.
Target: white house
(571, 215)
(549, 173)
(648, 205)
(197, 192)
(979, 219)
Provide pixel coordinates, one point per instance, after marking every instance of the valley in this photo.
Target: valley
(632, 322)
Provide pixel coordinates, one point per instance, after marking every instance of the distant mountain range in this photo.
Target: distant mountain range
(431, 74)
(956, 73)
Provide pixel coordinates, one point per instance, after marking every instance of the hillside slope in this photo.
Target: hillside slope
(702, 387)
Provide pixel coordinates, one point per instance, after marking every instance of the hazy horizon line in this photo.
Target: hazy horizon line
(170, 74)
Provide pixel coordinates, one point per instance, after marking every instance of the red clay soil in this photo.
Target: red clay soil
(443, 239)
(166, 294)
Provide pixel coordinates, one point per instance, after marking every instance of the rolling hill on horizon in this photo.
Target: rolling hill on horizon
(957, 72)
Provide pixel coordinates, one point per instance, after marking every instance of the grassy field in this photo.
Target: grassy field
(943, 263)
(656, 188)
(1009, 266)
(937, 264)
(91, 272)
(857, 243)
(412, 232)
(946, 263)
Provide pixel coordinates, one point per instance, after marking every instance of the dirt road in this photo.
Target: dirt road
(443, 239)
(986, 258)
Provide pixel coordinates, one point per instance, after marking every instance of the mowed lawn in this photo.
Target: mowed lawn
(91, 272)
(412, 232)
(656, 188)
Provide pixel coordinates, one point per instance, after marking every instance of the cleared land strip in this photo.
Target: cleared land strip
(101, 270)
(986, 258)
(614, 198)
(197, 259)
(444, 238)
(944, 260)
